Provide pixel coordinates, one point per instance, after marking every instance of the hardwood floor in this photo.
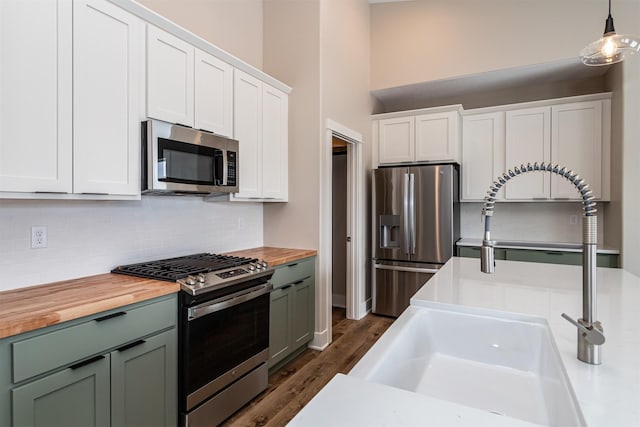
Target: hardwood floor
(296, 383)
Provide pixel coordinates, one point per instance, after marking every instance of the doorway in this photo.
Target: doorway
(339, 233)
(356, 304)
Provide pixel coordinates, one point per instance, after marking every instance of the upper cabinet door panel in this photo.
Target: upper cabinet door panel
(436, 136)
(169, 77)
(274, 144)
(213, 94)
(108, 52)
(396, 140)
(482, 154)
(35, 100)
(576, 133)
(528, 140)
(248, 131)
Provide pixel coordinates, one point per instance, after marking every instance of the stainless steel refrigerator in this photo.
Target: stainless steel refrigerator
(416, 222)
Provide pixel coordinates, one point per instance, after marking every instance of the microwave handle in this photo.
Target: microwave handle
(224, 167)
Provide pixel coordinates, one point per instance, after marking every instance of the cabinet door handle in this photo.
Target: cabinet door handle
(110, 316)
(86, 362)
(131, 345)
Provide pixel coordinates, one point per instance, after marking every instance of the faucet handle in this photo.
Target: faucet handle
(591, 332)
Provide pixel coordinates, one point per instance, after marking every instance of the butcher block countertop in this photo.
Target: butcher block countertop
(275, 256)
(26, 309)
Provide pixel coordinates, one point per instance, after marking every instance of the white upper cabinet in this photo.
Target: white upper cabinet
(213, 94)
(170, 77)
(528, 140)
(482, 154)
(432, 135)
(36, 96)
(108, 47)
(576, 132)
(397, 140)
(74, 69)
(261, 127)
(573, 133)
(186, 85)
(248, 132)
(438, 136)
(275, 147)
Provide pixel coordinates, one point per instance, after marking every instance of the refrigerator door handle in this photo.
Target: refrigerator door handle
(407, 269)
(405, 211)
(412, 211)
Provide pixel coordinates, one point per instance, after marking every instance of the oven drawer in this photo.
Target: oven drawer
(99, 333)
(292, 272)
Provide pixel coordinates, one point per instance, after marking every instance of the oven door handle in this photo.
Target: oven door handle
(227, 301)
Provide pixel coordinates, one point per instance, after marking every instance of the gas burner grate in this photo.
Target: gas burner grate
(172, 269)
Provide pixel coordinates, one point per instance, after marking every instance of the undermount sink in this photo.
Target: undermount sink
(508, 365)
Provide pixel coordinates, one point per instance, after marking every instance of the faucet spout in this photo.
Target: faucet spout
(590, 334)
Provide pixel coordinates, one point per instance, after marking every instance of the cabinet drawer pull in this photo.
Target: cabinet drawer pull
(554, 252)
(110, 316)
(286, 287)
(86, 362)
(298, 282)
(292, 265)
(131, 345)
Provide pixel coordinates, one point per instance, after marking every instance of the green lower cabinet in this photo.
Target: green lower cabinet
(292, 310)
(143, 386)
(72, 397)
(132, 381)
(474, 252)
(280, 325)
(303, 312)
(534, 255)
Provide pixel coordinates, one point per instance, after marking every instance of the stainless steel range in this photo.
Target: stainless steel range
(223, 331)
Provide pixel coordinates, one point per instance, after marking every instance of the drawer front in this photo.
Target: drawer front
(42, 353)
(293, 272)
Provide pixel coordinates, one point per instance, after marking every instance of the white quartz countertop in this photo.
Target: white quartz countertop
(608, 394)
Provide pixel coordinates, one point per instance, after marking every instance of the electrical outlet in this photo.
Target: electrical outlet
(38, 236)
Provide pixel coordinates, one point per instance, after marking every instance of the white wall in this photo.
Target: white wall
(87, 238)
(631, 165)
(231, 25)
(320, 48)
(292, 55)
(423, 40)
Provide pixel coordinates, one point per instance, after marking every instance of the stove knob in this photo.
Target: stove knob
(190, 281)
(252, 267)
(264, 264)
(201, 278)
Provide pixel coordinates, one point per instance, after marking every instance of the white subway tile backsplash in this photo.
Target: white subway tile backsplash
(528, 221)
(91, 237)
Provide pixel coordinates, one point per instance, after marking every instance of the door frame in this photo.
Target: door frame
(356, 261)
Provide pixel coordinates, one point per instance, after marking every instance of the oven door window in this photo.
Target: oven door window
(219, 341)
(185, 163)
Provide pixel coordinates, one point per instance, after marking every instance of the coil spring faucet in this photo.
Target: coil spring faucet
(590, 335)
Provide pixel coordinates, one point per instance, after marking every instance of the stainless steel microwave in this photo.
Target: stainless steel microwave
(180, 160)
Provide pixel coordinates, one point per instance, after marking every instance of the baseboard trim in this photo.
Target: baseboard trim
(320, 340)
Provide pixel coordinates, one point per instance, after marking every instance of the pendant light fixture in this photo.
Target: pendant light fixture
(611, 48)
